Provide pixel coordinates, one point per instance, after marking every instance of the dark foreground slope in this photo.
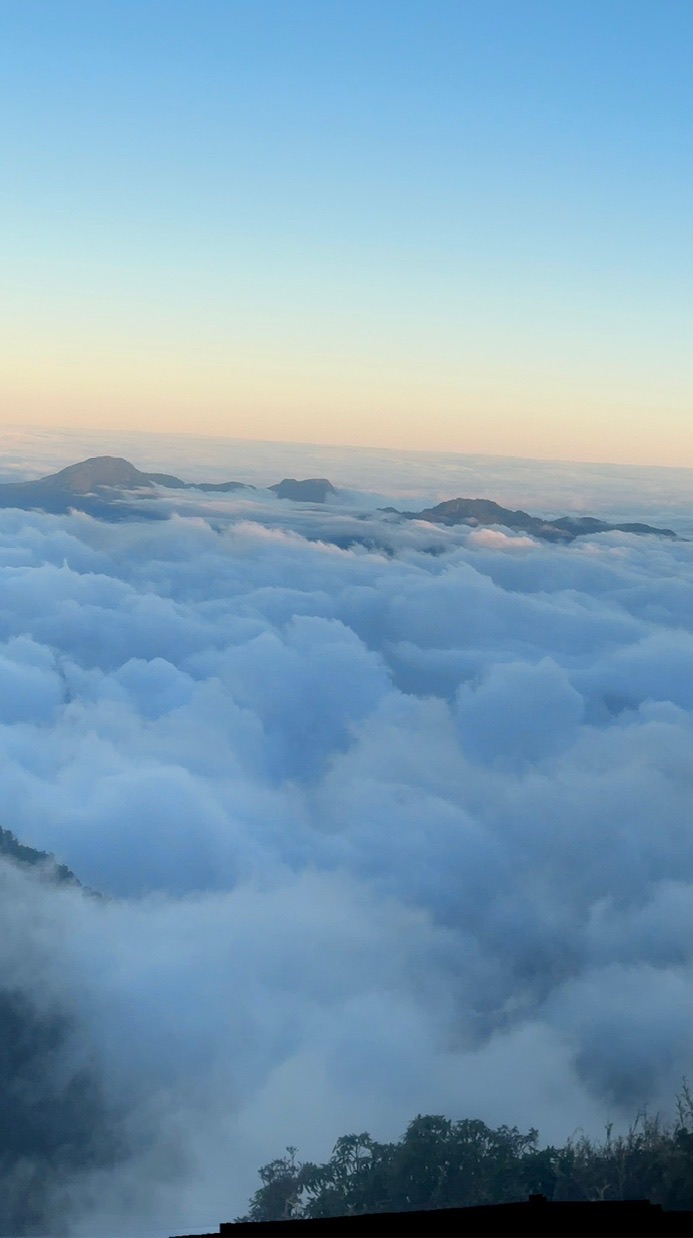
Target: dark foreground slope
(40, 862)
(54, 1123)
(537, 1217)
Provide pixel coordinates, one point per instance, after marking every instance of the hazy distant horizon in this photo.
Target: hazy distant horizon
(549, 487)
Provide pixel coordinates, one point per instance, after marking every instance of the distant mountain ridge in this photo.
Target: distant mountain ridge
(312, 490)
(96, 486)
(87, 475)
(485, 512)
(99, 486)
(92, 484)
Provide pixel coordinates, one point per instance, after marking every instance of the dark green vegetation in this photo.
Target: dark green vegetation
(54, 1122)
(43, 861)
(442, 1164)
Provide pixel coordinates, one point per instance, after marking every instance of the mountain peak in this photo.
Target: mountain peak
(98, 471)
(310, 490)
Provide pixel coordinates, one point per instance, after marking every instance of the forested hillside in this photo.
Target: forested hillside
(439, 1163)
(12, 849)
(54, 1120)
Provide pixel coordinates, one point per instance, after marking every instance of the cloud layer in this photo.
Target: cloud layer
(384, 832)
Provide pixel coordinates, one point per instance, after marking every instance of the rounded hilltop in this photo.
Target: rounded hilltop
(87, 475)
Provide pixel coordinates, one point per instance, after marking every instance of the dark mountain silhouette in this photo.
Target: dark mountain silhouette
(42, 862)
(88, 486)
(484, 512)
(56, 1122)
(90, 475)
(103, 486)
(311, 490)
(99, 486)
(580, 525)
(223, 486)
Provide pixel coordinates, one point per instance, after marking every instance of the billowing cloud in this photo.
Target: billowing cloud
(381, 831)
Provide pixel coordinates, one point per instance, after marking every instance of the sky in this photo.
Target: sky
(453, 226)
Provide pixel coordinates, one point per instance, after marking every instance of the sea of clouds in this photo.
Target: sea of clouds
(383, 831)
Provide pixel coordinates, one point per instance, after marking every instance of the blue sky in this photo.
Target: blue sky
(449, 225)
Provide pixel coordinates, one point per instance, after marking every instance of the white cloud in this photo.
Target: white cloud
(384, 832)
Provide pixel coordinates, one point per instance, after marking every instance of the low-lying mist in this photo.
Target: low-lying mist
(380, 832)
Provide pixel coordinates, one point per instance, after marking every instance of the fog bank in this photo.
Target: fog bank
(383, 832)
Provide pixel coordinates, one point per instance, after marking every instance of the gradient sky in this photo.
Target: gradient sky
(453, 225)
